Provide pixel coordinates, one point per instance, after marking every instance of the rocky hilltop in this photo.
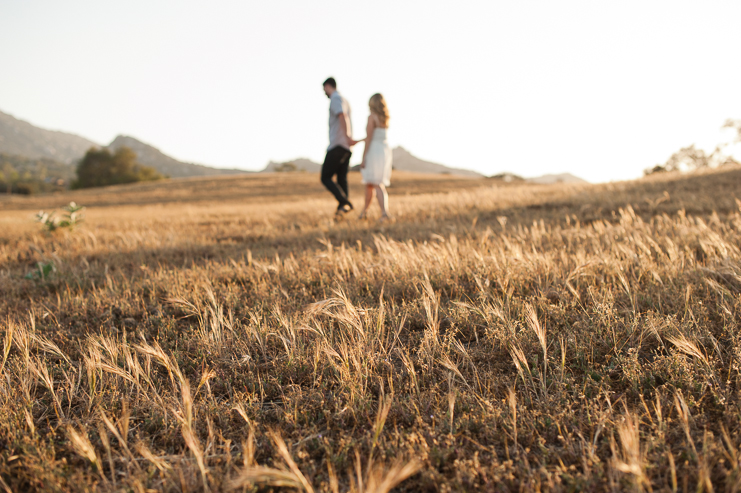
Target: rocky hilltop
(406, 161)
(149, 155)
(20, 138)
(21, 141)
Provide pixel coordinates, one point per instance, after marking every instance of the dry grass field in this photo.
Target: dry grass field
(227, 335)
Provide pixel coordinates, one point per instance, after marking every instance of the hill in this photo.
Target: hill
(149, 155)
(300, 164)
(21, 138)
(550, 179)
(403, 161)
(406, 161)
(22, 141)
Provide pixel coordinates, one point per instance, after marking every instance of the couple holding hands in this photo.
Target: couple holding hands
(376, 165)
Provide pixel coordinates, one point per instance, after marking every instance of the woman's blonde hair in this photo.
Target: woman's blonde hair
(378, 107)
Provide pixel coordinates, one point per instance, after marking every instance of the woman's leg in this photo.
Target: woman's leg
(368, 199)
(383, 199)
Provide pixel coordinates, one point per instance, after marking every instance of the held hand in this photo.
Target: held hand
(362, 165)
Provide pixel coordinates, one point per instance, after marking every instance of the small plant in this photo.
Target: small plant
(70, 220)
(42, 271)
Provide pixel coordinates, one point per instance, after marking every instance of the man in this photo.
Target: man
(337, 161)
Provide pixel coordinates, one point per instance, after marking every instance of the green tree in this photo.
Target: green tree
(690, 158)
(100, 168)
(10, 176)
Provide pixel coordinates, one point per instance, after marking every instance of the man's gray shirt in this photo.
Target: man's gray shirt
(337, 105)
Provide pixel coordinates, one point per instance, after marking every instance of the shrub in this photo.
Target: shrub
(100, 168)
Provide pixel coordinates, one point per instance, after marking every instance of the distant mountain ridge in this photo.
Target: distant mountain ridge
(22, 139)
(403, 160)
(18, 137)
(149, 155)
(406, 161)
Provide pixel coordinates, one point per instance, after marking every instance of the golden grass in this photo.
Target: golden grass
(227, 334)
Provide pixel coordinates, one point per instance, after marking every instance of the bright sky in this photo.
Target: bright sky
(596, 88)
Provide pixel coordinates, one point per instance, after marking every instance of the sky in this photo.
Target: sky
(599, 89)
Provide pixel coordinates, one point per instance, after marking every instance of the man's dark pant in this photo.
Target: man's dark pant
(337, 162)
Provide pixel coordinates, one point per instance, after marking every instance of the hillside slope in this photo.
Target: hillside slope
(406, 161)
(24, 141)
(149, 155)
(18, 137)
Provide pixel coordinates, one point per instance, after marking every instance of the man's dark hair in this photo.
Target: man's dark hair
(330, 82)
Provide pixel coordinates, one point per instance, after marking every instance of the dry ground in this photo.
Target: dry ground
(226, 334)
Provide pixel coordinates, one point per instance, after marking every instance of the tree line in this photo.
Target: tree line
(691, 158)
(98, 168)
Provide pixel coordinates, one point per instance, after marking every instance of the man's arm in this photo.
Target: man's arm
(344, 125)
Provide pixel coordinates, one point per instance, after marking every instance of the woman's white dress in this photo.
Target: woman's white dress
(378, 160)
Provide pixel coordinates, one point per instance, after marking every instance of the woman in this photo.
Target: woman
(376, 165)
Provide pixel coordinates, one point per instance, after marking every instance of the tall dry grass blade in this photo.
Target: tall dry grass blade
(103, 435)
(452, 394)
(334, 484)
(5, 486)
(534, 324)
(518, 357)
(159, 463)
(684, 418)
(632, 459)
(187, 429)
(42, 372)
(512, 401)
(688, 347)
(383, 480)
(450, 365)
(82, 446)
(384, 406)
(260, 475)
(248, 447)
(7, 341)
(194, 445)
(49, 347)
(283, 451)
(359, 480)
(121, 435)
(409, 365)
(29, 421)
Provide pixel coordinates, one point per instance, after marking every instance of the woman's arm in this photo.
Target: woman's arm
(369, 136)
